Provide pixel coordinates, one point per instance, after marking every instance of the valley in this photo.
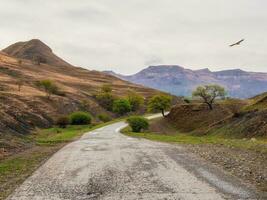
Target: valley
(42, 95)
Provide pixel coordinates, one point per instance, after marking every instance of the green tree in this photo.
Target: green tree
(49, 86)
(121, 106)
(137, 123)
(135, 100)
(209, 93)
(159, 103)
(105, 97)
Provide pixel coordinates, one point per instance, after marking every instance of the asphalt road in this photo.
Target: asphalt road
(105, 164)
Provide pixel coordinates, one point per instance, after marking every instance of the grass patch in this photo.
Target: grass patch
(260, 145)
(14, 170)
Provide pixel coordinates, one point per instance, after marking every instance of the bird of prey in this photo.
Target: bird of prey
(237, 43)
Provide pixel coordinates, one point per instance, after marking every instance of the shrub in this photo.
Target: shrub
(106, 100)
(80, 118)
(137, 123)
(104, 117)
(105, 97)
(63, 121)
(135, 100)
(121, 106)
(49, 86)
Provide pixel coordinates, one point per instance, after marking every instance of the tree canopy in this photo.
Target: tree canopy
(209, 93)
(159, 103)
(135, 100)
(121, 106)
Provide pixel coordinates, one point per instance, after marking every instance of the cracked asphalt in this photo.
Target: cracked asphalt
(105, 164)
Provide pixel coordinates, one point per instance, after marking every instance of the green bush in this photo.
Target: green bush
(136, 101)
(80, 118)
(138, 123)
(63, 121)
(121, 106)
(104, 117)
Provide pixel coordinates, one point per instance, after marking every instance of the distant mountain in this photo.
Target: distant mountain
(34, 48)
(180, 81)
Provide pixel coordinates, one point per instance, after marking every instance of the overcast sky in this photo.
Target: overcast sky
(128, 35)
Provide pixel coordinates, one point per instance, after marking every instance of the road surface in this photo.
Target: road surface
(105, 164)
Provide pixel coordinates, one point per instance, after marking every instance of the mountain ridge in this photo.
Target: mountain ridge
(181, 81)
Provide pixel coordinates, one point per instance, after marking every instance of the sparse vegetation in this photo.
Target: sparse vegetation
(135, 100)
(19, 83)
(19, 61)
(186, 100)
(80, 118)
(63, 121)
(105, 98)
(37, 60)
(121, 106)
(138, 123)
(104, 117)
(159, 103)
(209, 93)
(49, 86)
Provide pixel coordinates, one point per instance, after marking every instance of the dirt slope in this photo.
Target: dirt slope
(239, 118)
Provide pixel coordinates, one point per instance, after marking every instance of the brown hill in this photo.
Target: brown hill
(21, 111)
(34, 49)
(236, 118)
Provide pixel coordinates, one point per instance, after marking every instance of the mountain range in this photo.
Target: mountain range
(181, 81)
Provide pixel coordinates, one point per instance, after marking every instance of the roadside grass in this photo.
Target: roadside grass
(45, 142)
(258, 145)
(14, 170)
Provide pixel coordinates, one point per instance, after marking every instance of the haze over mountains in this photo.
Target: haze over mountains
(181, 81)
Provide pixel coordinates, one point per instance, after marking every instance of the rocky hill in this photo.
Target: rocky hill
(24, 105)
(34, 49)
(180, 81)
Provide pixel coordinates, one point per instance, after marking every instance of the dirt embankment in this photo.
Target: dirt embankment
(197, 118)
(239, 118)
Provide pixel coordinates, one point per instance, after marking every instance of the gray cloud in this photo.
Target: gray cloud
(125, 36)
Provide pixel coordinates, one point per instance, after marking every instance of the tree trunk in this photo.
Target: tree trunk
(210, 106)
(163, 114)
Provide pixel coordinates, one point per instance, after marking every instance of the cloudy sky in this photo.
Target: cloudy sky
(128, 35)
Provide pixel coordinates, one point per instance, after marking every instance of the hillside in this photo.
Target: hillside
(21, 111)
(234, 118)
(180, 81)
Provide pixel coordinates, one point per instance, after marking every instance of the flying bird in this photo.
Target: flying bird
(237, 43)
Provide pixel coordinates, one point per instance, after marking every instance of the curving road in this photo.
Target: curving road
(105, 164)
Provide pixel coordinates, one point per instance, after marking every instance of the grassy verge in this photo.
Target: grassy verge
(259, 145)
(45, 142)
